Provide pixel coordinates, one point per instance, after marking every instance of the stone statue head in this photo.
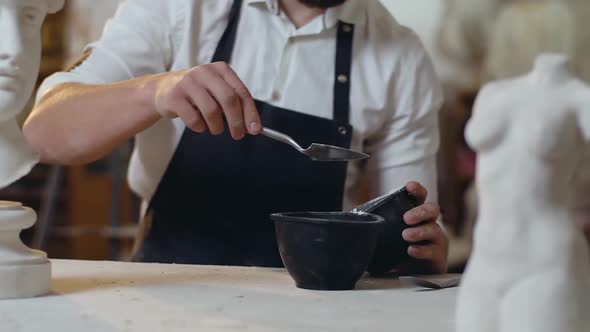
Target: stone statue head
(20, 57)
(20, 51)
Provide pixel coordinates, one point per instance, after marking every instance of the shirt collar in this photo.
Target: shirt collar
(352, 11)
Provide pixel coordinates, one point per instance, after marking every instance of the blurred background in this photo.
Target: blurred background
(88, 212)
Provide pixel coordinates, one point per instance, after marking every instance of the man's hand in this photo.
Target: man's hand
(203, 96)
(430, 244)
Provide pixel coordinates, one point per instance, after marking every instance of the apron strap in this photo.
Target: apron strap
(344, 50)
(225, 48)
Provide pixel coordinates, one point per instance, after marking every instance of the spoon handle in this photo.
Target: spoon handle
(276, 135)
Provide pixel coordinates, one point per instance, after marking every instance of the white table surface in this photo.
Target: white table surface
(109, 296)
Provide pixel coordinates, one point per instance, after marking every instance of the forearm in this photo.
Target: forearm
(77, 123)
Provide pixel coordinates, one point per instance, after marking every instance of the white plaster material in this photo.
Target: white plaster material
(17, 157)
(130, 297)
(530, 268)
(23, 272)
(20, 54)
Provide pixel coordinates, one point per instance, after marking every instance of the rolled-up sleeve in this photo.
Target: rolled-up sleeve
(135, 42)
(405, 147)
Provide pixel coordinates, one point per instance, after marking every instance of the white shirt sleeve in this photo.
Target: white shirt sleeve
(405, 148)
(388, 180)
(137, 41)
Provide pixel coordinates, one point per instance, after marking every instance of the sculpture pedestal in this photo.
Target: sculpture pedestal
(23, 272)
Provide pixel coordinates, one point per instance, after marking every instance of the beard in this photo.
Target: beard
(322, 3)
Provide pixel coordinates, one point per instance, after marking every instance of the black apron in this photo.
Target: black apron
(213, 203)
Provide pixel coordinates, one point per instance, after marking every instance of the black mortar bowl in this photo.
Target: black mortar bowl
(326, 250)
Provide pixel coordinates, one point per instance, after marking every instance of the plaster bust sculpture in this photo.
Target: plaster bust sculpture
(23, 272)
(20, 53)
(530, 267)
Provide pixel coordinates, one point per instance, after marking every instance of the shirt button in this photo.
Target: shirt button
(346, 28)
(342, 130)
(342, 78)
(276, 96)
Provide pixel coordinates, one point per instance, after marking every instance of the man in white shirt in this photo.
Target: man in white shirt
(339, 72)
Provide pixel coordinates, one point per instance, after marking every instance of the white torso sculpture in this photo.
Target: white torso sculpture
(530, 268)
(23, 272)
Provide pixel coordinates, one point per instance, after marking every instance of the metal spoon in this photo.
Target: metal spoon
(319, 152)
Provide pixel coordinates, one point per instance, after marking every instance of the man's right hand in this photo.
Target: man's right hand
(203, 96)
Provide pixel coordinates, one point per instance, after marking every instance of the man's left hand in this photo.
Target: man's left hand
(429, 242)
